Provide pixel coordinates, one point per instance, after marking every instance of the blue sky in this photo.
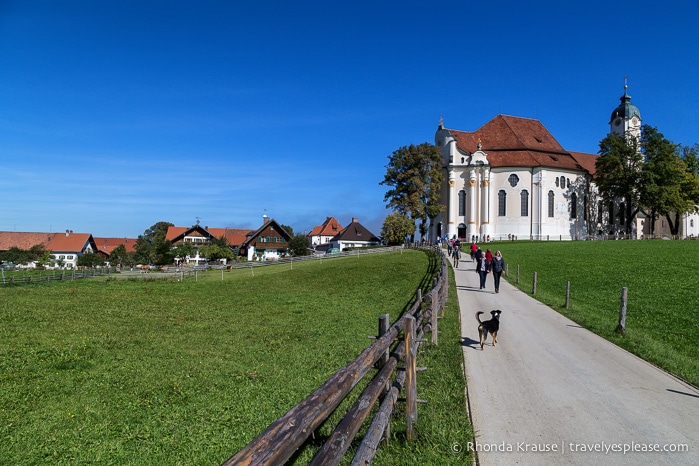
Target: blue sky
(115, 115)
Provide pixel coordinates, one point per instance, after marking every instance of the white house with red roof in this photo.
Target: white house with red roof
(322, 234)
(65, 248)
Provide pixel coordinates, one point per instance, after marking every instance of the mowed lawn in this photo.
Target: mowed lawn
(163, 372)
(662, 277)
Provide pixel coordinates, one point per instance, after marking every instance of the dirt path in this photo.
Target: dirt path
(552, 392)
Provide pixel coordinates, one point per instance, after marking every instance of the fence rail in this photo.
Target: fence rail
(280, 441)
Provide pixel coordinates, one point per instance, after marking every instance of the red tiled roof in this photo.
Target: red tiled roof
(23, 240)
(234, 236)
(73, 242)
(330, 227)
(519, 142)
(107, 245)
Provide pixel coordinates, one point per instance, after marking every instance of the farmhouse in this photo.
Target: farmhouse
(65, 248)
(197, 236)
(105, 246)
(269, 242)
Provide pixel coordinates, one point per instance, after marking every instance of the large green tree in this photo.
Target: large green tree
(396, 227)
(298, 245)
(619, 172)
(663, 177)
(152, 247)
(414, 174)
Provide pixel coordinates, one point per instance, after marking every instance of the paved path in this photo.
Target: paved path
(550, 384)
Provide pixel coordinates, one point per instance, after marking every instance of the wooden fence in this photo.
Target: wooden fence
(395, 345)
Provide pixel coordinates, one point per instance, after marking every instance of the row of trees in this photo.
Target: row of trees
(652, 175)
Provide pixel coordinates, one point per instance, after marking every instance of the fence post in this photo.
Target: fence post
(567, 294)
(433, 316)
(517, 273)
(534, 285)
(621, 328)
(410, 377)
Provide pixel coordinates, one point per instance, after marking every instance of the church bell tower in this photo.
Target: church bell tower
(626, 118)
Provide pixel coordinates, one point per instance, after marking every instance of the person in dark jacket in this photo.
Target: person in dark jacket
(497, 266)
(483, 269)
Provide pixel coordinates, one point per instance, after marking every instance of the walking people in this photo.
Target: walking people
(456, 255)
(489, 255)
(498, 265)
(474, 247)
(483, 268)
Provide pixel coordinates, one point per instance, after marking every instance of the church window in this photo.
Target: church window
(610, 210)
(462, 202)
(502, 198)
(563, 182)
(600, 208)
(573, 205)
(524, 207)
(513, 179)
(567, 182)
(622, 213)
(691, 222)
(551, 195)
(556, 181)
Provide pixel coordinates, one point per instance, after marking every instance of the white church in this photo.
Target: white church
(512, 179)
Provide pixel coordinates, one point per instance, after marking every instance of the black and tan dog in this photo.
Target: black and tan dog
(489, 326)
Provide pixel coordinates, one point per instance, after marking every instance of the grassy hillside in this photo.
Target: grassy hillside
(165, 372)
(662, 278)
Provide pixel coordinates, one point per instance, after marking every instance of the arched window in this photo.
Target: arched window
(573, 205)
(622, 214)
(462, 202)
(556, 181)
(551, 195)
(600, 208)
(563, 181)
(513, 179)
(502, 200)
(610, 210)
(524, 203)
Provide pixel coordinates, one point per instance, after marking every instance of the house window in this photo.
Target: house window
(462, 202)
(502, 199)
(513, 179)
(524, 199)
(551, 196)
(573, 205)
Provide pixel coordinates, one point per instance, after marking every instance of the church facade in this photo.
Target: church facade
(512, 179)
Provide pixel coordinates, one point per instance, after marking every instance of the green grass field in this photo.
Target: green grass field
(662, 277)
(164, 372)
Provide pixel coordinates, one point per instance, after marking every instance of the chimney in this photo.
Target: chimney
(355, 220)
(265, 219)
(67, 233)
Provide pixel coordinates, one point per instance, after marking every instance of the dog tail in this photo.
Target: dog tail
(478, 316)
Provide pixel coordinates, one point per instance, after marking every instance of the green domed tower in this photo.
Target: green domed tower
(626, 118)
